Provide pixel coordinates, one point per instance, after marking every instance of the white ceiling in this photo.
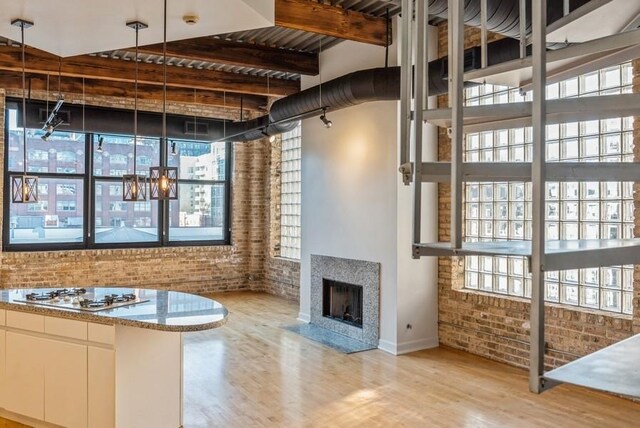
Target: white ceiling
(75, 27)
(611, 17)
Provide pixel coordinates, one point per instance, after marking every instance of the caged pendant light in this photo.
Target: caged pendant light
(163, 180)
(134, 186)
(24, 188)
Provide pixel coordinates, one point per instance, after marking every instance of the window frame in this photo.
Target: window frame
(89, 181)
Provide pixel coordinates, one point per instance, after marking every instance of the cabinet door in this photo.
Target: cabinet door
(102, 387)
(65, 384)
(3, 379)
(25, 375)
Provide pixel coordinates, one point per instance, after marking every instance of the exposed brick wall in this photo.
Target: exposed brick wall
(197, 269)
(498, 327)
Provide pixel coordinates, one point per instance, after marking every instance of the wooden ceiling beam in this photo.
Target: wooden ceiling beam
(238, 54)
(117, 70)
(313, 17)
(103, 88)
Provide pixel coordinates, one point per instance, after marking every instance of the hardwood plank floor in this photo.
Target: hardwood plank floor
(252, 373)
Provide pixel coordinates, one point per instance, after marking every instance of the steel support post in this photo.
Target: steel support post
(538, 176)
(405, 90)
(421, 102)
(523, 29)
(483, 33)
(456, 96)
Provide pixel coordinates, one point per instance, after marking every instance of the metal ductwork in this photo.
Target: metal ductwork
(381, 84)
(377, 84)
(503, 16)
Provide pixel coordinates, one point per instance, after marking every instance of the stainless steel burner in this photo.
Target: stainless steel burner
(81, 300)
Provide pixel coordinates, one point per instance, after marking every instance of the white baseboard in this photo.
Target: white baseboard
(387, 346)
(407, 347)
(304, 317)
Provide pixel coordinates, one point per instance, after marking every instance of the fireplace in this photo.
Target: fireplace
(342, 302)
(345, 297)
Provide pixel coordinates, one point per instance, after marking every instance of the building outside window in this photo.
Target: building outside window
(587, 210)
(290, 196)
(200, 209)
(64, 218)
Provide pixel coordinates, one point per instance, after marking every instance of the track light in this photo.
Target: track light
(53, 121)
(50, 126)
(173, 148)
(100, 141)
(323, 118)
(272, 138)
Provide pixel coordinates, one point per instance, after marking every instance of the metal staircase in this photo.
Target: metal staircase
(531, 73)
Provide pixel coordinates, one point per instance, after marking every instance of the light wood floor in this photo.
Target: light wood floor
(252, 373)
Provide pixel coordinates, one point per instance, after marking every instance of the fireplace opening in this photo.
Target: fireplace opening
(342, 302)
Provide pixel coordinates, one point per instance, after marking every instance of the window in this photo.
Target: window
(574, 210)
(65, 189)
(66, 205)
(200, 211)
(81, 203)
(290, 194)
(66, 156)
(38, 155)
(55, 218)
(118, 158)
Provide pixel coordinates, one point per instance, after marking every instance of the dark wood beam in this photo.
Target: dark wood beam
(330, 20)
(103, 88)
(241, 54)
(92, 67)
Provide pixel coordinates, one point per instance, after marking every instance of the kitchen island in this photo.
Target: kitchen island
(97, 357)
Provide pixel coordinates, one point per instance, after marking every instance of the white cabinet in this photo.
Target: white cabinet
(102, 387)
(65, 383)
(25, 375)
(3, 372)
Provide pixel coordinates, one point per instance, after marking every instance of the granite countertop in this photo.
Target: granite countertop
(162, 310)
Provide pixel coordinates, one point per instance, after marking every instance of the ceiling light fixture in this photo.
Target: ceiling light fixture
(163, 180)
(24, 188)
(174, 150)
(134, 186)
(327, 123)
(100, 141)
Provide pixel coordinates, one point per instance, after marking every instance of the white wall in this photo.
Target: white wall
(355, 206)
(349, 182)
(417, 302)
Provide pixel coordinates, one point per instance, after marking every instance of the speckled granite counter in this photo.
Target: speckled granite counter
(164, 310)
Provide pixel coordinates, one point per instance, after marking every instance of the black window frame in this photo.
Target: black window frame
(89, 181)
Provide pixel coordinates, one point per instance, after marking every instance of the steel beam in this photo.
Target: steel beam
(518, 115)
(538, 167)
(456, 75)
(405, 83)
(603, 44)
(440, 172)
(421, 102)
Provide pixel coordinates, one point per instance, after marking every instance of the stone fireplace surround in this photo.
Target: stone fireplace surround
(358, 272)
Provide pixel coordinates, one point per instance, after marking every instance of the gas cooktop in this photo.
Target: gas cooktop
(81, 300)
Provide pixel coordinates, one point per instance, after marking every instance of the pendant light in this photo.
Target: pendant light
(24, 188)
(134, 186)
(163, 180)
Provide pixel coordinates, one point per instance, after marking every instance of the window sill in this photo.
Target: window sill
(564, 307)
